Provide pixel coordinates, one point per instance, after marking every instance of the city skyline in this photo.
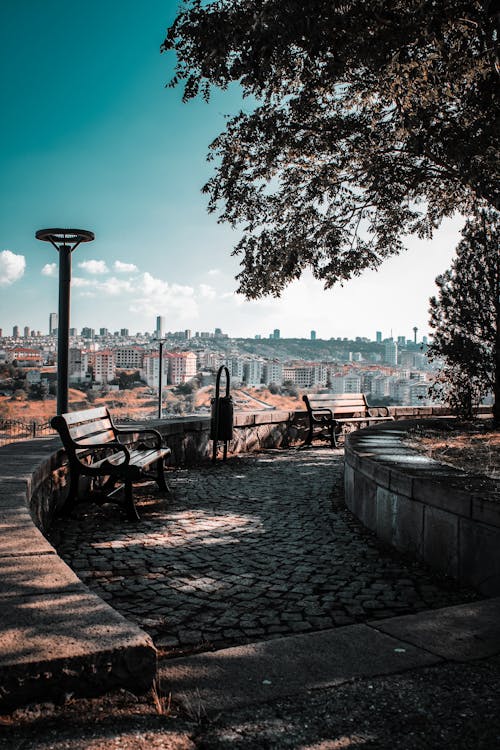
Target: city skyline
(127, 161)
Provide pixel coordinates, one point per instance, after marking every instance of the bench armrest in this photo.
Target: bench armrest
(324, 412)
(141, 431)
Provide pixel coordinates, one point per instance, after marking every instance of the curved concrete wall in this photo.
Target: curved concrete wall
(444, 517)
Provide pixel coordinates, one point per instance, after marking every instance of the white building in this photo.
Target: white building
(151, 369)
(252, 371)
(182, 367)
(273, 373)
(78, 365)
(104, 366)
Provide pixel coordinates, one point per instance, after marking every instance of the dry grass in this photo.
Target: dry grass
(473, 451)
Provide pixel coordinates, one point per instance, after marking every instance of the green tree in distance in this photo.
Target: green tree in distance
(465, 316)
(371, 121)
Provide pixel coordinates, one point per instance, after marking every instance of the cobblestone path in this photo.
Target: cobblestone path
(255, 548)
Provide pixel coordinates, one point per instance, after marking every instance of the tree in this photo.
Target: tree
(465, 316)
(372, 121)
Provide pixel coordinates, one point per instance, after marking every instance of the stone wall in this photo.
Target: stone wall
(435, 512)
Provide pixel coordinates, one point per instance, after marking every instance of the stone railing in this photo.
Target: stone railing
(435, 512)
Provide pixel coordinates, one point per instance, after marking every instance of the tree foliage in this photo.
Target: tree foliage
(371, 121)
(465, 316)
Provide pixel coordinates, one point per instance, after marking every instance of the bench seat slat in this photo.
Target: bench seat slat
(138, 458)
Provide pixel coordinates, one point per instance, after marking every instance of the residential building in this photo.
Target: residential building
(25, 357)
(15, 332)
(104, 366)
(272, 372)
(129, 357)
(182, 367)
(151, 369)
(252, 371)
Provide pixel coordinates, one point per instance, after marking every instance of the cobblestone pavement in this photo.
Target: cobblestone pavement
(255, 548)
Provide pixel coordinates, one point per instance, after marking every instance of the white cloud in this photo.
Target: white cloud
(49, 269)
(207, 291)
(120, 267)
(153, 296)
(96, 267)
(11, 267)
(114, 286)
(78, 282)
(214, 272)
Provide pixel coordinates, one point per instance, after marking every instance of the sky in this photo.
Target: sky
(91, 138)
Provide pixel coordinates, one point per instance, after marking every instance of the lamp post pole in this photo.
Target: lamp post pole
(64, 241)
(160, 384)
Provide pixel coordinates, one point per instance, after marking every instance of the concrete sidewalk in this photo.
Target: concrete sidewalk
(271, 670)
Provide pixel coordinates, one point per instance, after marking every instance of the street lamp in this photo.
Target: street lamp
(64, 241)
(160, 384)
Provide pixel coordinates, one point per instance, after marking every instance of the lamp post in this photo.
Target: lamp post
(160, 384)
(64, 241)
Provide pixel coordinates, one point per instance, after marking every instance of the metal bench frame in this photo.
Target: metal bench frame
(331, 415)
(92, 443)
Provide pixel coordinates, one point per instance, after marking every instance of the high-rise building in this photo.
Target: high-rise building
(378, 337)
(391, 352)
(401, 340)
(26, 332)
(103, 331)
(87, 333)
(276, 333)
(15, 332)
(52, 323)
(160, 326)
(124, 332)
(313, 335)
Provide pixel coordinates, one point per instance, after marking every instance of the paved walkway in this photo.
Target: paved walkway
(260, 547)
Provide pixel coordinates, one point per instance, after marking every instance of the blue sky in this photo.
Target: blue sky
(91, 138)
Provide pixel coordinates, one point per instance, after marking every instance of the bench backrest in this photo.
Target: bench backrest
(338, 403)
(84, 429)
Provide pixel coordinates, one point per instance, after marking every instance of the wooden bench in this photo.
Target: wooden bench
(94, 449)
(333, 414)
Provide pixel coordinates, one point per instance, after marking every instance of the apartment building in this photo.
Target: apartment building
(182, 367)
(350, 383)
(25, 357)
(151, 369)
(252, 371)
(78, 364)
(272, 372)
(104, 366)
(235, 367)
(129, 357)
(306, 376)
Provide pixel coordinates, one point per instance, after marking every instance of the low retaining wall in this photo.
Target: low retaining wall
(444, 517)
(56, 637)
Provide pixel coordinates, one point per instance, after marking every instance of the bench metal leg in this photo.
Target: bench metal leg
(162, 483)
(132, 513)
